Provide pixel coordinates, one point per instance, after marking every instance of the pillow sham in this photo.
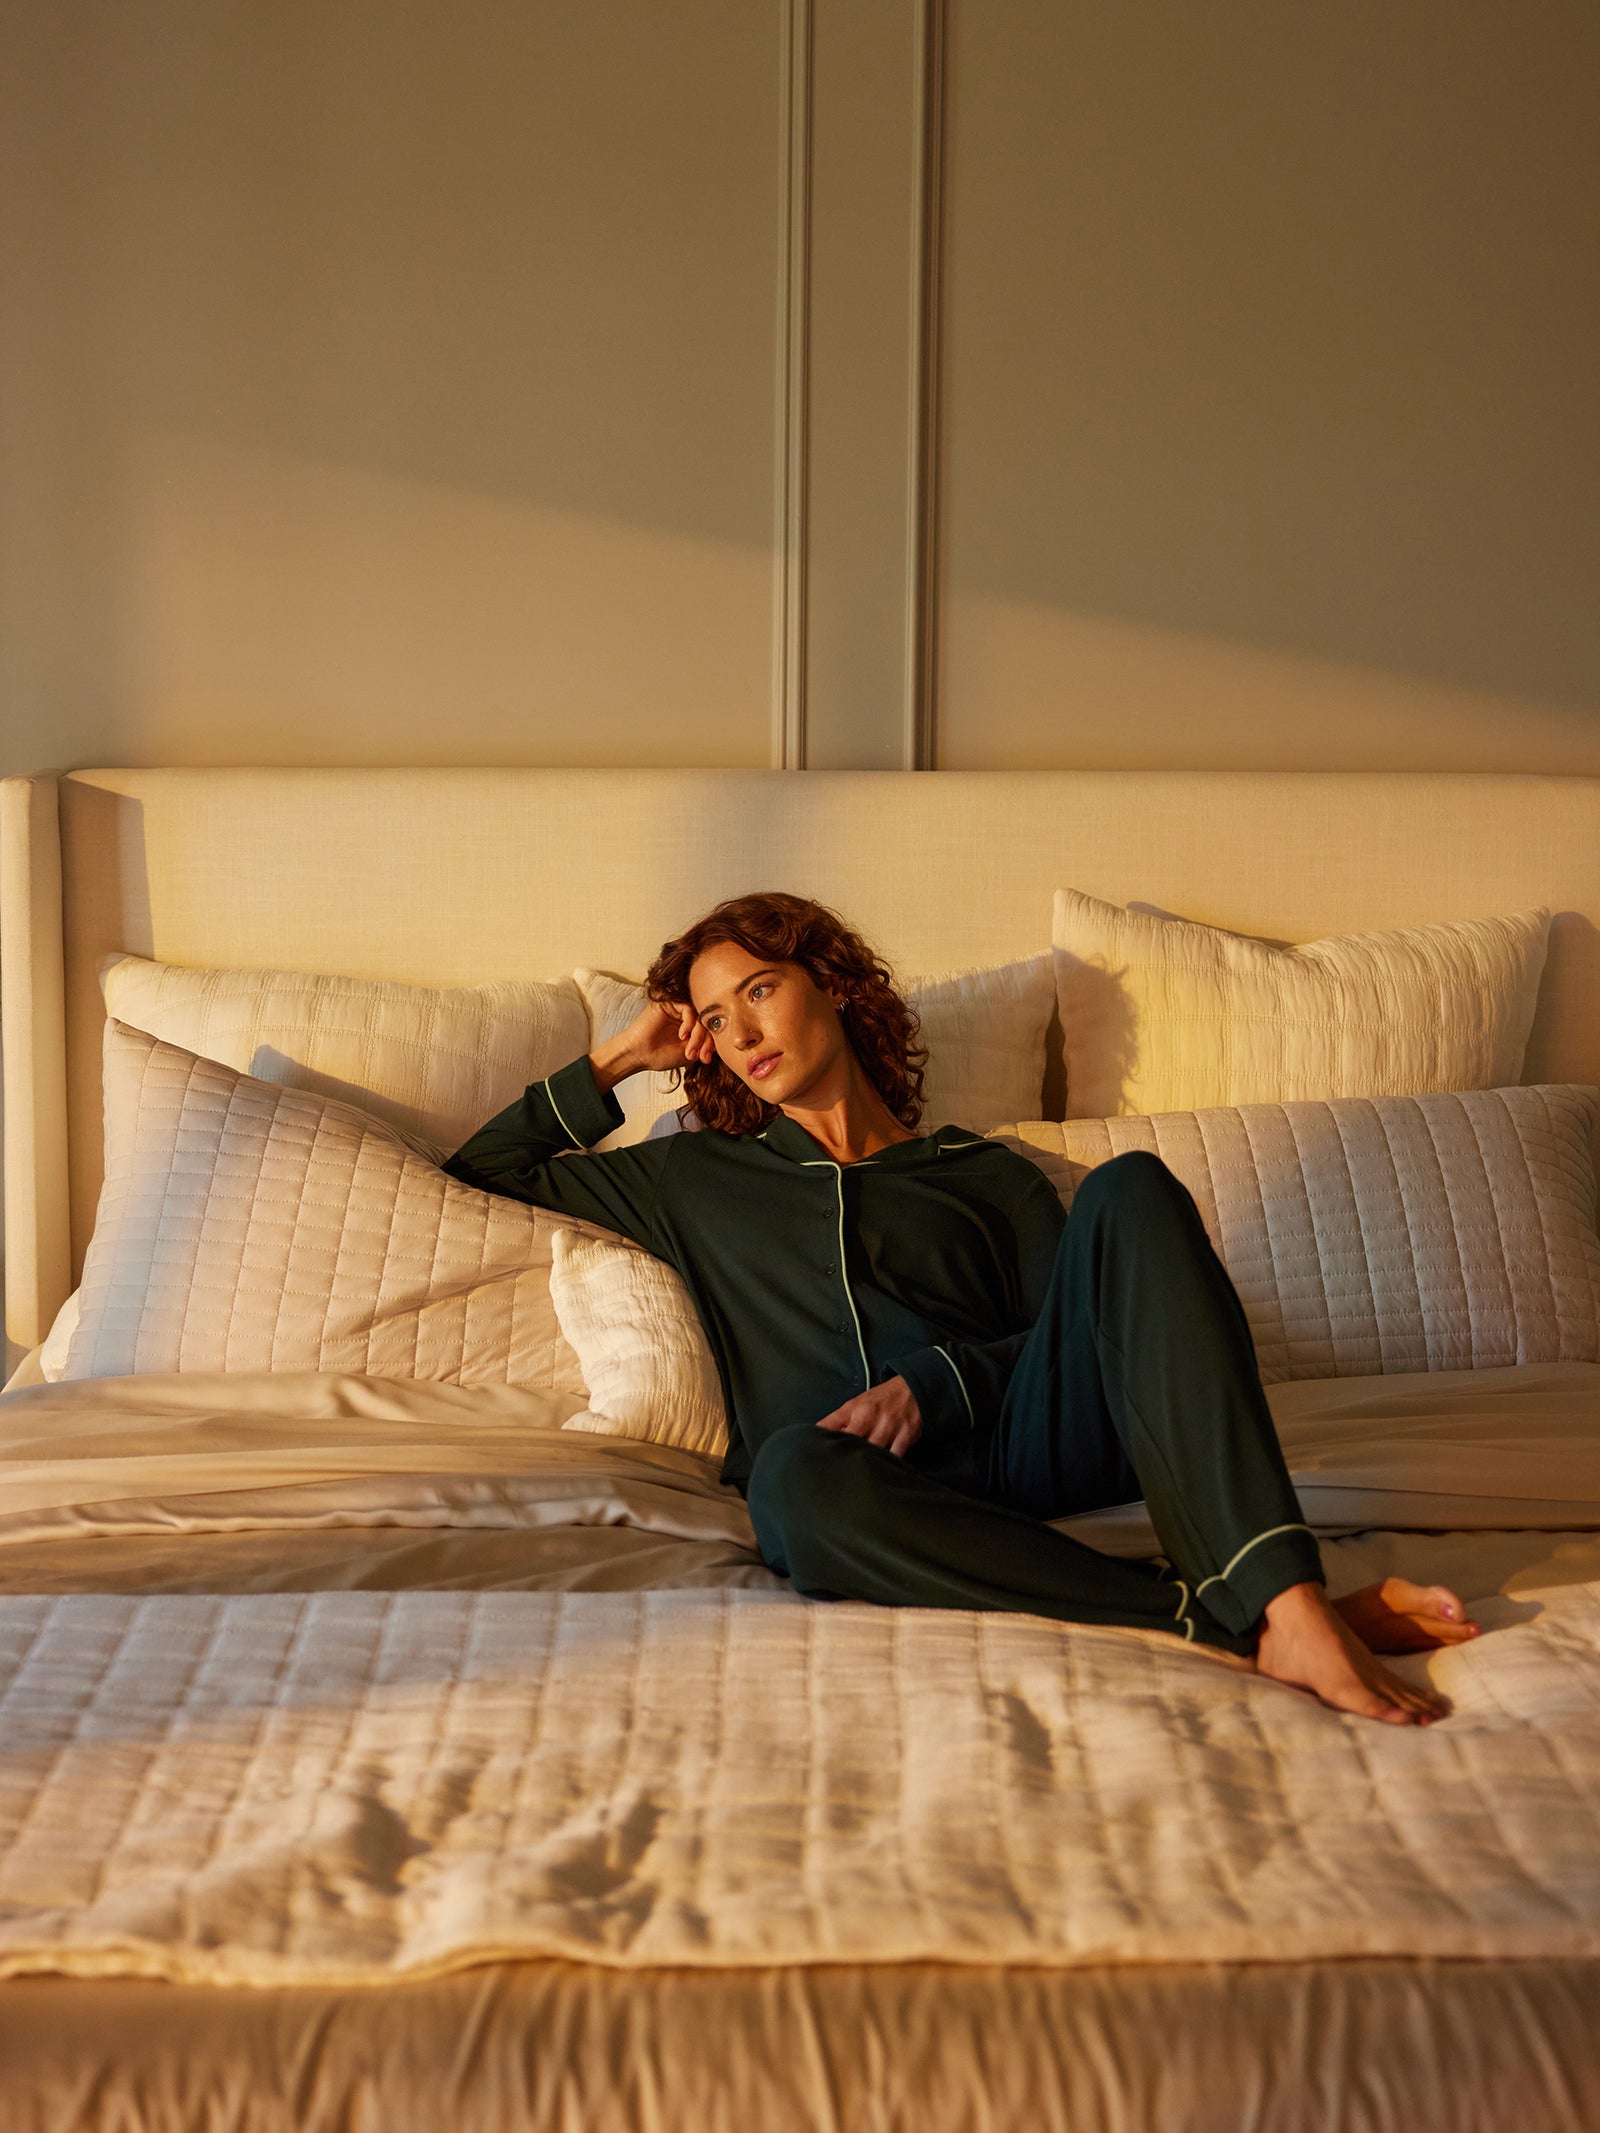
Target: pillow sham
(434, 1061)
(985, 1032)
(640, 1346)
(243, 1226)
(1395, 1233)
(1163, 1014)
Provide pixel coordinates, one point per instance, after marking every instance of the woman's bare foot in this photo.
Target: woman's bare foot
(1306, 1644)
(1397, 1616)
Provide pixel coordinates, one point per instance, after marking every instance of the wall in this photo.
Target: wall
(852, 382)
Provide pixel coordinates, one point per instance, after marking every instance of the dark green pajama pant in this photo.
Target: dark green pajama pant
(1138, 1379)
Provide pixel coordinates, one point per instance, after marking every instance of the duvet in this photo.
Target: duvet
(335, 1680)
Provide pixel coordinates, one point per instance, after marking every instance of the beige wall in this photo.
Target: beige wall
(385, 383)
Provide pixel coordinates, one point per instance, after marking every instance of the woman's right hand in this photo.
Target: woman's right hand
(658, 1040)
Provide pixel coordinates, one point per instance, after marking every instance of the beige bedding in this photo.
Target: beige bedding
(301, 1462)
(359, 1786)
(1369, 2046)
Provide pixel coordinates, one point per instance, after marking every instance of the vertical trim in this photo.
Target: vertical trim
(33, 1033)
(921, 735)
(793, 389)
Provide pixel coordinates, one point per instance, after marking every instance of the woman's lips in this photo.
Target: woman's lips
(764, 1065)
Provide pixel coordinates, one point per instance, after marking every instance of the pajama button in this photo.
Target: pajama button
(832, 1267)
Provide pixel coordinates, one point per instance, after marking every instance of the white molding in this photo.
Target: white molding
(921, 733)
(793, 390)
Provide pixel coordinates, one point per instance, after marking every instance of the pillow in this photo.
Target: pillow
(58, 1341)
(1160, 1014)
(244, 1226)
(1396, 1233)
(613, 1003)
(639, 1344)
(984, 1029)
(435, 1061)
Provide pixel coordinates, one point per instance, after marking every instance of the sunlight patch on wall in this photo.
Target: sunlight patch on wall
(1027, 686)
(284, 610)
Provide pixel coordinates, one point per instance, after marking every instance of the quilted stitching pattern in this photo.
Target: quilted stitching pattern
(248, 1227)
(435, 1061)
(1160, 1014)
(1400, 1233)
(356, 1786)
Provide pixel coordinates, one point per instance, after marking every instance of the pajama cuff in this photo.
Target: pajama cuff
(1264, 1566)
(583, 1113)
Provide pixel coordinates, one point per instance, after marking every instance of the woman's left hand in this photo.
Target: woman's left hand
(888, 1416)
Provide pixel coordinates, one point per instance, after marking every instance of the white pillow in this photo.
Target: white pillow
(435, 1061)
(244, 1226)
(58, 1341)
(639, 1344)
(984, 1029)
(613, 1003)
(1162, 1014)
(1396, 1233)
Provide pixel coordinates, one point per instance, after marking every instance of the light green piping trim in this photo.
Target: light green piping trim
(566, 1129)
(1271, 1533)
(838, 1179)
(972, 1420)
(866, 1367)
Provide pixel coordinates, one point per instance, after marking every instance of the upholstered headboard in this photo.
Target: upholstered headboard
(444, 876)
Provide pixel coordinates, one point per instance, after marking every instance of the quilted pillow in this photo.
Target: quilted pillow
(984, 1029)
(435, 1061)
(244, 1226)
(639, 1344)
(1394, 1233)
(1161, 1014)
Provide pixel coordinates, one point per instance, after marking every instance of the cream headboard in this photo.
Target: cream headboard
(447, 876)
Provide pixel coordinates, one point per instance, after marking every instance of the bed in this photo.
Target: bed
(429, 1763)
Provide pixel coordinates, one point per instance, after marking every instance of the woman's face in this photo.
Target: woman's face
(771, 1025)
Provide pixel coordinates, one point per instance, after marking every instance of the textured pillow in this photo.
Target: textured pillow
(1160, 1014)
(639, 1344)
(984, 1029)
(1398, 1233)
(434, 1061)
(248, 1227)
(58, 1341)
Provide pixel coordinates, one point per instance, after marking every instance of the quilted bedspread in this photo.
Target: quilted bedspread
(348, 1787)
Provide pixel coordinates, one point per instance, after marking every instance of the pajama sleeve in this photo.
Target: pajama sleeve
(959, 1385)
(536, 1150)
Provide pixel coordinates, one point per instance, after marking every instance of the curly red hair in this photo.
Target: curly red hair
(882, 1030)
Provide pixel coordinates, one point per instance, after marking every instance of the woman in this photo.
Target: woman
(924, 1358)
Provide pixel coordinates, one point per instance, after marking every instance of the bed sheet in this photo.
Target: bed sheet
(311, 1481)
(546, 2047)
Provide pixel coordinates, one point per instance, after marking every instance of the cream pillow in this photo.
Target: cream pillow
(1396, 1233)
(639, 1344)
(244, 1226)
(1162, 1014)
(434, 1061)
(984, 1029)
(613, 1003)
(58, 1341)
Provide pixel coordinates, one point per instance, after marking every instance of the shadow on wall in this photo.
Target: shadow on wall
(267, 1063)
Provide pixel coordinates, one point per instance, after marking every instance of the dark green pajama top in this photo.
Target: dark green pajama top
(814, 1280)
